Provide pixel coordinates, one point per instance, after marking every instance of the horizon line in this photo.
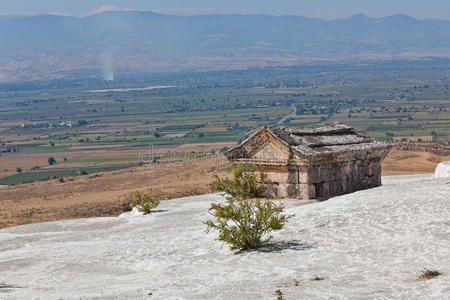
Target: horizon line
(96, 12)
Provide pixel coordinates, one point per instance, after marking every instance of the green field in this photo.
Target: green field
(58, 173)
(102, 159)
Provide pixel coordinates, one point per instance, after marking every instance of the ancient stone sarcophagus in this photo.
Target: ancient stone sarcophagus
(318, 161)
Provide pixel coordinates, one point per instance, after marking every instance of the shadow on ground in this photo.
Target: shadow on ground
(281, 246)
(158, 210)
(7, 288)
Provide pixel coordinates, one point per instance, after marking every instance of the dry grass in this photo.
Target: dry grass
(9, 162)
(428, 274)
(401, 162)
(317, 278)
(102, 194)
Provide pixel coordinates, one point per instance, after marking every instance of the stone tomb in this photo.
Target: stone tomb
(313, 162)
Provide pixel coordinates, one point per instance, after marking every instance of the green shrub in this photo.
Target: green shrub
(143, 202)
(19, 170)
(245, 184)
(51, 160)
(246, 224)
(82, 172)
(243, 222)
(279, 294)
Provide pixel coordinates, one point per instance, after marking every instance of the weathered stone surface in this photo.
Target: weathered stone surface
(317, 161)
(277, 177)
(306, 191)
(268, 152)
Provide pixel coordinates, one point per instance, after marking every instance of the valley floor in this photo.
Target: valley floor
(365, 245)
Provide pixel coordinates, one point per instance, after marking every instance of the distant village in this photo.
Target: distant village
(62, 124)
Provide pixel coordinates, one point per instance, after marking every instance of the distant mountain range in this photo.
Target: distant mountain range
(146, 41)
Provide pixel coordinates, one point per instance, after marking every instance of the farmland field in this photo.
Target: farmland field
(123, 122)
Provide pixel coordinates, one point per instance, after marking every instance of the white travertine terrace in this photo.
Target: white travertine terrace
(371, 244)
(442, 169)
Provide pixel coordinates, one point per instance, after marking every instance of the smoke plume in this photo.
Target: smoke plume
(107, 61)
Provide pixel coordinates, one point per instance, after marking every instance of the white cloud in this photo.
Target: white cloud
(95, 11)
(199, 11)
(102, 9)
(59, 13)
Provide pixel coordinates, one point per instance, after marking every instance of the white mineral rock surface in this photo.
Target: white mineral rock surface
(132, 213)
(371, 244)
(442, 170)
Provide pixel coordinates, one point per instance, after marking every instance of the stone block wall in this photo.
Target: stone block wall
(335, 178)
(322, 180)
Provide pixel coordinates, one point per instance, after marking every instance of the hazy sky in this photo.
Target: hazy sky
(326, 9)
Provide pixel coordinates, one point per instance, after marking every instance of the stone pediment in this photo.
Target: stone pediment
(270, 152)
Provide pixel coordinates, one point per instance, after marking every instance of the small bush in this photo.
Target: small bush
(244, 184)
(143, 202)
(279, 294)
(428, 274)
(82, 172)
(246, 224)
(51, 161)
(242, 222)
(19, 170)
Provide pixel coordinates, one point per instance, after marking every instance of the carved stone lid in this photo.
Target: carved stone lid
(315, 142)
(328, 134)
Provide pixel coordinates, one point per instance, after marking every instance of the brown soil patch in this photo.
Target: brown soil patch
(401, 162)
(104, 194)
(10, 161)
